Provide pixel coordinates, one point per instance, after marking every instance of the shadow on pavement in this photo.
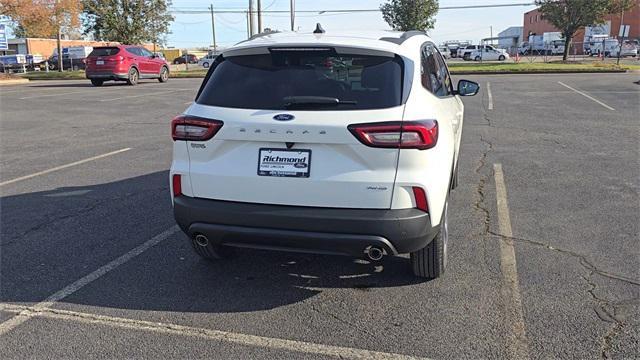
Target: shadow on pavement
(51, 239)
(74, 83)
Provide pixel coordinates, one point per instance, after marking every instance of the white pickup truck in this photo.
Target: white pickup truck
(465, 52)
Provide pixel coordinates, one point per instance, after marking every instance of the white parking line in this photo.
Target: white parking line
(517, 346)
(24, 315)
(587, 96)
(51, 95)
(209, 334)
(490, 96)
(44, 172)
(147, 94)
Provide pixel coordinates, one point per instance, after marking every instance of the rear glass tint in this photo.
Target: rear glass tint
(104, 51)
(265, 81)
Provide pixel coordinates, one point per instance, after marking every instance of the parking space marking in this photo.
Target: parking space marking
(24, 315)
(51, 95)
(518, 347)
(148, 94)
(587, 96)
(490, 96)
(61, 167)
(209, 334)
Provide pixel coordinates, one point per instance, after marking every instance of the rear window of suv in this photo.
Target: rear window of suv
(104, 51)
(265, 81)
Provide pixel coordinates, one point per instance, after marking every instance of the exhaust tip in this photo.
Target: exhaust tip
(374, 253)
(202, 240)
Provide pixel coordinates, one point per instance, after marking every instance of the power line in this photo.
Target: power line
(461, 7)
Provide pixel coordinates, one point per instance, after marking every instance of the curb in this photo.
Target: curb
(13, 82)
(454, 72)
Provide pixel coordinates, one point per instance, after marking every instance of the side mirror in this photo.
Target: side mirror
(467, 88)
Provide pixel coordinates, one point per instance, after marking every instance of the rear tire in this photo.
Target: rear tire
(133, 76)
(97, 82)
(501, 58)
(205, 65)
(210, 252)
(164, 74)
(431, 261)
(477, 58)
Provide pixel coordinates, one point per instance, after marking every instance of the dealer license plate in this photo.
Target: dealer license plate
(284, 163)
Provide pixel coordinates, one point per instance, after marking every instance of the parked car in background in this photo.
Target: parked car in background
(14, 63)
(354, 152)
(125, 63)
(454, 45)
(628, 48)
(184, 59)
(207, 60)
(446, 53)
(72, 57)
(465, 52)
(489, 55)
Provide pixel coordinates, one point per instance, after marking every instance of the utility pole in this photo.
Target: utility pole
(248, 25)
(491, 32)
(259, 16)
(251, 23)
(59, 44)
(213, 29)
(622, 37)
(293, 14)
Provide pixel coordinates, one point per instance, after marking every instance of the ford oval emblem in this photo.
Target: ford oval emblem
(284, 117)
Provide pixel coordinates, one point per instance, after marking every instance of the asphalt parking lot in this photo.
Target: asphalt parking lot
(544, 260)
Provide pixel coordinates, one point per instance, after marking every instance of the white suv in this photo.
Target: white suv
(309, 142)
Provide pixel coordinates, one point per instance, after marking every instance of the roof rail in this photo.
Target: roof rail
(404, 37)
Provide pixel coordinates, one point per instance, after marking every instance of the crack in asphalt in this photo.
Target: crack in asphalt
(606, 310)
(602, 310)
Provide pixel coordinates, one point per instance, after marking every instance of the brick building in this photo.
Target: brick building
(45, 47)
(535, 24)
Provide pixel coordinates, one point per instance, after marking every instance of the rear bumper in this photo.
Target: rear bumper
(107, 75)
(305, 229)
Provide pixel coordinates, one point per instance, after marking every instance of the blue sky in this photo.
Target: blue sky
(468, 24)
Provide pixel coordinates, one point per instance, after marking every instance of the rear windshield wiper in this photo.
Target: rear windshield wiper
(305, 101)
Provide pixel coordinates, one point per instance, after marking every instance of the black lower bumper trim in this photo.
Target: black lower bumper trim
(306, 229)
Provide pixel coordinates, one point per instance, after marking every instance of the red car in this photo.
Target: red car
(124, 63)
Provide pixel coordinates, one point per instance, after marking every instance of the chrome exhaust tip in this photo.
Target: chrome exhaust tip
(374, 253)
(202, 240)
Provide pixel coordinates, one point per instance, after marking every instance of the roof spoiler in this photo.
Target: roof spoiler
(404, 37)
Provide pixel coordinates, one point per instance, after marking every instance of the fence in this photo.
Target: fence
(606, 51)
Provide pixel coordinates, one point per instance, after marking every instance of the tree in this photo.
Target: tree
(128, 21)
(571, 15)
(43, 18)
(405, 15)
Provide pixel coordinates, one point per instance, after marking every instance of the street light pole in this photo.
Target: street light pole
(621, 37)
(293, 14)
(251, 23)
(213, 29)
(259, 16)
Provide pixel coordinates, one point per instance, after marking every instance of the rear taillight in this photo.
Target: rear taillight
(176, 183)
(117, 58)
(193, 128)
(421, 198)
(420, 135)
